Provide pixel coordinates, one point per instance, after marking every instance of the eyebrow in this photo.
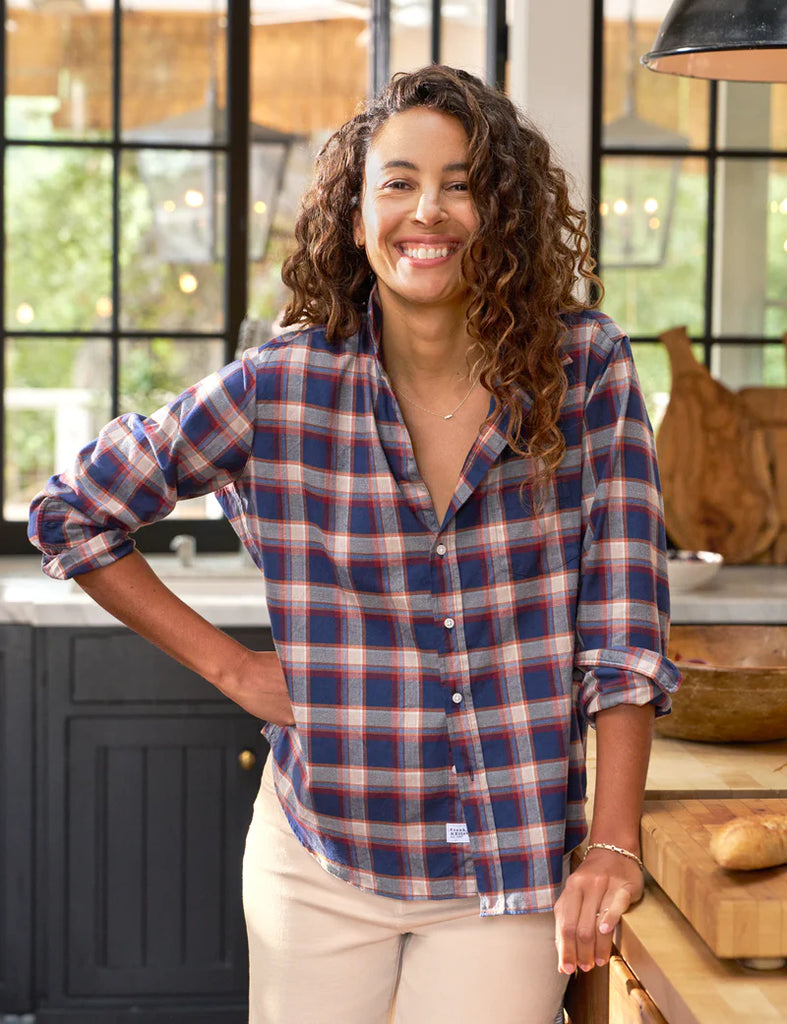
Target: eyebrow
(410, 166)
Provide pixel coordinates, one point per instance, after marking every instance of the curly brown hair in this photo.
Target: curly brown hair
(521, 265)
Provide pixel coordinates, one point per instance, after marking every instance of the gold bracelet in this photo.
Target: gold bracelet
(616, 849)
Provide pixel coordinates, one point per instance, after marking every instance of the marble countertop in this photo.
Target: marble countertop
(226, 589)
(229, 591)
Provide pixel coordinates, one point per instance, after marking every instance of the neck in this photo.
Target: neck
(429, 345)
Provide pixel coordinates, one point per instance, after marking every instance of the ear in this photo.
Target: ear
(359, 235)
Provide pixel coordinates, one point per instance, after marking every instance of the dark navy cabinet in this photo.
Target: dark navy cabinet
(17, 849)
(142, 786)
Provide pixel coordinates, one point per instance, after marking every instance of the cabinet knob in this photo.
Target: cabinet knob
(247, 759)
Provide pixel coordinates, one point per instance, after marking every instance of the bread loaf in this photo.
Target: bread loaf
(746, 844)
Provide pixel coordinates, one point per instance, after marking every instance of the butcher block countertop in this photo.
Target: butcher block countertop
(687, 983)
(680, 769)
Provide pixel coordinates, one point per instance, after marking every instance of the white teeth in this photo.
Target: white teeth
(424, 252)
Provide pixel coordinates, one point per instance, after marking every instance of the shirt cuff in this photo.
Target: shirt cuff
(69, 548)
(611, 677)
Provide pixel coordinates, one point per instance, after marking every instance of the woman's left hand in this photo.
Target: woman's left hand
(594, 899)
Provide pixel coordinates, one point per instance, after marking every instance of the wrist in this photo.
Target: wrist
(618, 851)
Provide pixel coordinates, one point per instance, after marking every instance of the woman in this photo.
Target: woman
(446, 474)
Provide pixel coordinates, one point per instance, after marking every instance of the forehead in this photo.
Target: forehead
(418, 133)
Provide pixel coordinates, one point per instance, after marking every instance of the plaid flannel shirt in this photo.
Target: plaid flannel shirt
(442, 675)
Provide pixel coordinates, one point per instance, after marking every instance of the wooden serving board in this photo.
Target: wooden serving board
(741, 914)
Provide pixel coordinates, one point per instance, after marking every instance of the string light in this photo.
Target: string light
(188, 283)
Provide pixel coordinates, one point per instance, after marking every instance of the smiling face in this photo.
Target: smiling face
(416, 214)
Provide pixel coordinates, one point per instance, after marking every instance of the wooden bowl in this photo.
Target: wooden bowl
(734, 687)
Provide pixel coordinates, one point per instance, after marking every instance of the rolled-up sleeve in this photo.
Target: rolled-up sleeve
(140, 467)
(623, 607)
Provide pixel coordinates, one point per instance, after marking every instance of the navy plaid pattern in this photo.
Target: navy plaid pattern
(439, 672)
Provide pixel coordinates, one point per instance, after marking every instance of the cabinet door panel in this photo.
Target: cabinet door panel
(158, 812)
(16, 819)
(114, 665)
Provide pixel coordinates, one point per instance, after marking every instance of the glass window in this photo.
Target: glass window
(58, 72)
(58, 238)
(655, 376)
(463, 36)
(695, 236)
(173, 64)
(172, 228)
(653, 224)
(752, 115)
(411, 34)
(120, 169)
(296, 104)
(750, 293)
(641, 108)
(57, 398)
(153, 371)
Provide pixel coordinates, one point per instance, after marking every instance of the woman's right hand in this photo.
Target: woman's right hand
(131, 591)
(256, 682)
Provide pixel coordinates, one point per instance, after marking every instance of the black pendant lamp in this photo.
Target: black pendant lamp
(732, 40)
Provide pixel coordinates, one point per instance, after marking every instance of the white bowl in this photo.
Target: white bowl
(689, 570)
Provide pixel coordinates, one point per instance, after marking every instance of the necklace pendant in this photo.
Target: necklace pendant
(450, 416)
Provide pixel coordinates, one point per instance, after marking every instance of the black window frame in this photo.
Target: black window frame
(210, 534)
(712, 153)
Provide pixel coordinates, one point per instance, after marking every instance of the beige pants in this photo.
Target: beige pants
(322, 951)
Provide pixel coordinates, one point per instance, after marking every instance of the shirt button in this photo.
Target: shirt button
(457, 699)
(449, 623)
(441, 549)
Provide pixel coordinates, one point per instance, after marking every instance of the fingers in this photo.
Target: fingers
(586, 916)
(567, 911)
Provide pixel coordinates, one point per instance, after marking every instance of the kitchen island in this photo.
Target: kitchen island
(663, 971)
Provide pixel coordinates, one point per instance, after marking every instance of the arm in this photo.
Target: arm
(623, 677)
(130, 590)
(605, 885)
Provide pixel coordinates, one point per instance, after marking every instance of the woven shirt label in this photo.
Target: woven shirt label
(456, 833)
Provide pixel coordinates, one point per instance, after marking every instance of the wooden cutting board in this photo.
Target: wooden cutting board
(714, 463)
(741, 914)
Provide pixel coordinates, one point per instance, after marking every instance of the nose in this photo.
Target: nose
(429, 209)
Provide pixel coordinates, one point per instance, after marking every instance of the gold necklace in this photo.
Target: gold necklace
(438, 415)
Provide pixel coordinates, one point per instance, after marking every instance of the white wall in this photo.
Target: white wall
(550, 50)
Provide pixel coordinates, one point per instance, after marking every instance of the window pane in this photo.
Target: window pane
(752, 115)
(56, 400)
(641, 108)
(653, 370)
(742, 366)
(751, 248)
(653, 223)
(411, 34)
(172, 240)
(304, 101)
(58, 245)
(156, 370)
(152, 373)
(463, 36)
(174, 69)
(58, 73)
